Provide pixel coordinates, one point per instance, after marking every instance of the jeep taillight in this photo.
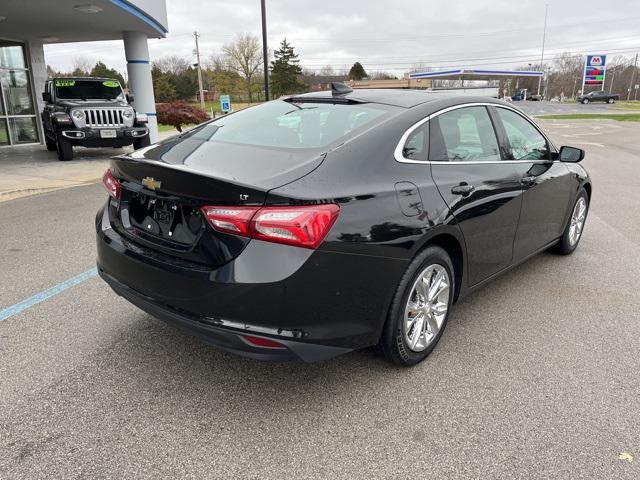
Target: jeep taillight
(303, 226)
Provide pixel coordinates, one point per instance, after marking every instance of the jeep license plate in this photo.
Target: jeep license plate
(108, 134)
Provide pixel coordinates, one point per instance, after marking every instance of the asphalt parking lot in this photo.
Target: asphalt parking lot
(537, 375)
(550, 108)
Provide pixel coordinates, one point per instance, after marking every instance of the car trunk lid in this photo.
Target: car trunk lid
(161, 197)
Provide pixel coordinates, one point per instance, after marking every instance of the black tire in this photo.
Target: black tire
(610, 100)
(141, 142)
(51, 144)
(64, 149)
(585, 101)
(564, 245)
(393, 344)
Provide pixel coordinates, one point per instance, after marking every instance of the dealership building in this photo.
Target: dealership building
(27, 25)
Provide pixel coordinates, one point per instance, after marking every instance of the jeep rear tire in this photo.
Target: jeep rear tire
(64, 148)
(51, 144)
(142, 142)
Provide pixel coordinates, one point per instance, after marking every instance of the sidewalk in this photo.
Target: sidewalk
(28, 170)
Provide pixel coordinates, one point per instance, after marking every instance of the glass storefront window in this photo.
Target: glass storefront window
(4, 135)
(17, 112)
(12, 55)
(23, 130)
(17, 92)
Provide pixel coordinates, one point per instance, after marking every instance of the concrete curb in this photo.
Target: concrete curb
(27, 192)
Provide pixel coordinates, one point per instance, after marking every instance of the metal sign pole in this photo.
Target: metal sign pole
(265, 53)
(584, 74)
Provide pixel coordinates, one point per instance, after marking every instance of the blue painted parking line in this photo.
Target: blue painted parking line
(46, 294)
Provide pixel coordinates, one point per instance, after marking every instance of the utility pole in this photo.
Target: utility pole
(544, 37)
(265, 52)
(196, 34)
(613, 78)
(633, 74)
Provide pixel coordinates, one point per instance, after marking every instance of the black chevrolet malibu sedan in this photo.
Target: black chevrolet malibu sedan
(317, 224)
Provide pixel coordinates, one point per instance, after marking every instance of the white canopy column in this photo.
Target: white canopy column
(140, 83)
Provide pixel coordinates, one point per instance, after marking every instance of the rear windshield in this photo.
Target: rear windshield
(69, 89)
(292, 125)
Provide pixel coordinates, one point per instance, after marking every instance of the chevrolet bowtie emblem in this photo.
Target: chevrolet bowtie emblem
(151, 183)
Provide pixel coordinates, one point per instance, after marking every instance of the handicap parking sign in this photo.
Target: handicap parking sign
(225, 103)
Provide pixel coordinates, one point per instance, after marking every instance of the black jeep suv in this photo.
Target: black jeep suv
(90, 112)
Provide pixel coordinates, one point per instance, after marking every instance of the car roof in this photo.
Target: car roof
(406, 98)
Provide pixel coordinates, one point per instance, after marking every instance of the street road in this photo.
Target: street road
(537, 375)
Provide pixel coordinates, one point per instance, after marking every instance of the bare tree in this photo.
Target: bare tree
(327, 71)
(81, 66)
(244, 56)
(173, 64)
(381, 75)
(565, 77)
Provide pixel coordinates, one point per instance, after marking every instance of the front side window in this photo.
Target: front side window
(70, 89)
(463, 135)
(283, 124)
(527, 143)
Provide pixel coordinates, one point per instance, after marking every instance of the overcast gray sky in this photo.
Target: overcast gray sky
(390, 35)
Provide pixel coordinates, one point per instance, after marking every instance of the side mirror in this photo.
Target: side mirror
(130, 98)
(571, 154)
(46, 96)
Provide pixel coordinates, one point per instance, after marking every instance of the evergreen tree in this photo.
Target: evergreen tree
(101, 70)
(186, 83)
(163, 87)
(357, 72)
(285, 72)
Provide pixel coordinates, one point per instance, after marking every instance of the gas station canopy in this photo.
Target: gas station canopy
(464, 74)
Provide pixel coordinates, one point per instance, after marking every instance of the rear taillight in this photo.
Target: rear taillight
(111, 184)
(235, 220)
(304, 226)
(301, 226)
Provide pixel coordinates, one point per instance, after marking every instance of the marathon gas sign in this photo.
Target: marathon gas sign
(594, 70)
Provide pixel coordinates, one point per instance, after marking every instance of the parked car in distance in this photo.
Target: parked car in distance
(90, 112)
(535, 98)
(598, 96)
(313, 225)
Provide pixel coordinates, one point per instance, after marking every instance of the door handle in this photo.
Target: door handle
(463, 189)
(528, 181)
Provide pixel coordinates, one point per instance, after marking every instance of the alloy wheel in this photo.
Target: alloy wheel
(426, 307)
(577, 221)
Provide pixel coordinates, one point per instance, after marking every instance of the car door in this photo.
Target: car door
(481, 190)
(546, 183)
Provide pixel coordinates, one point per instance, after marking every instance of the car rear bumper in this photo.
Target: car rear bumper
(225, 338)
(318, 304)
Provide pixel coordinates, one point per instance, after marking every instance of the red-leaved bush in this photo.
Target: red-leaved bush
(179, 113)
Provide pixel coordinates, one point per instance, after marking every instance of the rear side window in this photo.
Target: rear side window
(292, 125)
(527, 143)
(415, 148)
(463, 135)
